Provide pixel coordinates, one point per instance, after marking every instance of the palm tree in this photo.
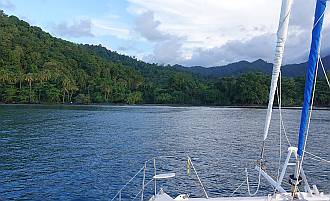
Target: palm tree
(106, 87)
(30, 77)
(65, 85)
(20, 78)
(72, 88)
(42, 77)
(3, 76)
(69, 87)
(6, 76)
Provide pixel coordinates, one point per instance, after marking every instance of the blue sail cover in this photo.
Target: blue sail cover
(311, 70)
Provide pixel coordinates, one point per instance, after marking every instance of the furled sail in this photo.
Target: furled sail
(311, 71)
(282, 34)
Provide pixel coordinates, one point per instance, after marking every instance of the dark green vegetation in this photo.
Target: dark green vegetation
(38, 68)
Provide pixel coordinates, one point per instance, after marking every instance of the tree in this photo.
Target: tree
(29, 78)
(134, 98)
(69, 87)
(106, 88)
(5, 76)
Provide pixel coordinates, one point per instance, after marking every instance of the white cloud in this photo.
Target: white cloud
(112, 25)
(167, 47)
(169, 50)
(216, 32)
(147, 26)
(78, 28)
(257, 47)
(104, 28)
(82, 26)
(7, 4)
(210, 23)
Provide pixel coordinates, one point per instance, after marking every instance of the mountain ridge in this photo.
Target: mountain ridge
(231, 69)
(259, 65)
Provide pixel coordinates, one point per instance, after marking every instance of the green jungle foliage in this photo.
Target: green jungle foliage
(38, 68)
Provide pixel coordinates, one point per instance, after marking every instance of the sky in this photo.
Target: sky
(186, 32)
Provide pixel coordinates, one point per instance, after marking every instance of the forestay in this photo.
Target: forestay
(282, 34)
(311, 71)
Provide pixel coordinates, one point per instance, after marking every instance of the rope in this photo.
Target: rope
(248, 185)
(325, 73)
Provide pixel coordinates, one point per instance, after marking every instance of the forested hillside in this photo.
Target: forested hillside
(38, 68)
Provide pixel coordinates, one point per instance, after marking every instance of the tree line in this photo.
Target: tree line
(38, 68)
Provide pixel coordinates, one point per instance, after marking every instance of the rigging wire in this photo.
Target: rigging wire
(238, 188)
(126, 184)
(282, 126)
(286, 136)
(308, 124)
(279, 51)
(200, 182)
(317, 158)
(279, 100)
(311, 108)
(278, 54)
(325, 73)
(142, 189)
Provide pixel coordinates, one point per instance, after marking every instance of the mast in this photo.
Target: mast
(282, 33)
(311, 71)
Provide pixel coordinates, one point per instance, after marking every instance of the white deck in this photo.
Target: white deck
(279, 197)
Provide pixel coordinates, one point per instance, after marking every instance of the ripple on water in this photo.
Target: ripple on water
(89, 152)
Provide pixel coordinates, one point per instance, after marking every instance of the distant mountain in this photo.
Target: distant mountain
(296, 70)
(241, 67)
(155, 72)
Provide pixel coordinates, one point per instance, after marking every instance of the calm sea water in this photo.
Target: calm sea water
(90, 152)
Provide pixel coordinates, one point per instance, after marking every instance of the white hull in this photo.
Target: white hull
(162, 196)
(310, 194)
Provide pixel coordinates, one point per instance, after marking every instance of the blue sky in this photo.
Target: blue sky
(187, 32)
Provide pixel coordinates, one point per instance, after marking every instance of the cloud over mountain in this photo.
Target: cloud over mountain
(218, 32)
(146, 25)
(167, 47)
(79, 28)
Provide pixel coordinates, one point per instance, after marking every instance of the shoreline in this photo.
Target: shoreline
(161, 105)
